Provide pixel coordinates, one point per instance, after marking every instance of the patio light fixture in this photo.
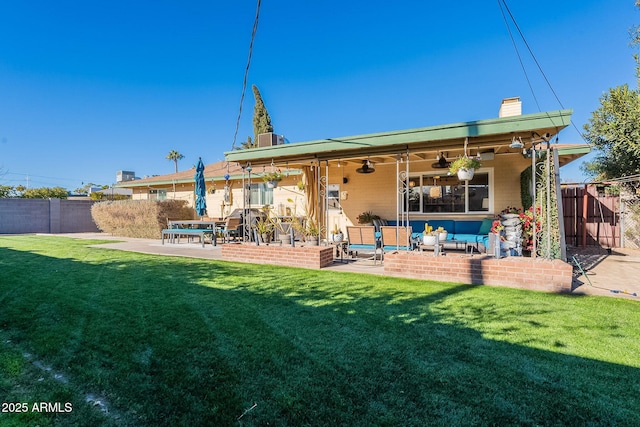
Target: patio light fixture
(441, 163)
(516, 143)
(367, 167)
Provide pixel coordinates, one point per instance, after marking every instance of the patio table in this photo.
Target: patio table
(213, 225)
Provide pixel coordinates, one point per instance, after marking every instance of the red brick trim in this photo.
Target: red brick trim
(514, 272)
(300, 256)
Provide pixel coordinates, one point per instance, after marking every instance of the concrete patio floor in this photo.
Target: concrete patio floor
(615, 274)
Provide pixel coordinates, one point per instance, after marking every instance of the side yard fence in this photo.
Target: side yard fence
(46, 216)
(592, 218)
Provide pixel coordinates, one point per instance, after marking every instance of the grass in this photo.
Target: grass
(187, 342)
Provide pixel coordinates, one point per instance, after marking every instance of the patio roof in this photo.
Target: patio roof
(487, 134)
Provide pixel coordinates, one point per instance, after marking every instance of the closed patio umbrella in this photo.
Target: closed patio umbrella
(201, 190)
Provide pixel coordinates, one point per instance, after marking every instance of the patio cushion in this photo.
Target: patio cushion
(470, 238)
(467, 227)
(486, 225)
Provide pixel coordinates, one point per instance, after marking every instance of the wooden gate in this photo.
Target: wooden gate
(590, 218)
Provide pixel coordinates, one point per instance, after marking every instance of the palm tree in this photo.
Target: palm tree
(175, 156)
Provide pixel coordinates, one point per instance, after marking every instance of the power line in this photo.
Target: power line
(524, 40)
(246, 73)
(515, 46)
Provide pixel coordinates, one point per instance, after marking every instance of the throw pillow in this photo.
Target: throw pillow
(485, 227)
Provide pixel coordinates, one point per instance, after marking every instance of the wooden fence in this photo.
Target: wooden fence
(590, 218)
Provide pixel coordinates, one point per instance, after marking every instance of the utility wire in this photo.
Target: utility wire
(532, 55)
(246, 73)
(513, 19)
(515, 46)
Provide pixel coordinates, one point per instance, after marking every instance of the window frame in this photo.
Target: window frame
(422, 178)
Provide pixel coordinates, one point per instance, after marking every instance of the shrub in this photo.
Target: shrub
(138, 218)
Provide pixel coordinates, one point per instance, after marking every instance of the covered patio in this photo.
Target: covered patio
(403, 177)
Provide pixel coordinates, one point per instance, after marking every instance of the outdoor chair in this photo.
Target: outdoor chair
(363, 238)
(396, 238)
(230, 230)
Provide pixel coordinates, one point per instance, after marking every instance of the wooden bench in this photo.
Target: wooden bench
(172, 233)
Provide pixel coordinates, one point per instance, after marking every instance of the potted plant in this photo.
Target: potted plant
(264, 227)
(442, 234)
(336, 235)
(283, 226)
(366, 218)
(272, 178)
(429, 237)
(465, 167)
(311, 232)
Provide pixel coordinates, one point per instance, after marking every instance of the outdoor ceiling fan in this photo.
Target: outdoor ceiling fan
(367, 167)
(441, 163)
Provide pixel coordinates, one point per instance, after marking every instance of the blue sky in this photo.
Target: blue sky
(88, 89)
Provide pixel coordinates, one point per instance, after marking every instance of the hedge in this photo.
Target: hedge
(138, 218)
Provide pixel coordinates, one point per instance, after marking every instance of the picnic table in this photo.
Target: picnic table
(191, 228)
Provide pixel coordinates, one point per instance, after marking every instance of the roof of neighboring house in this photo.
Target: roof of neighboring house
(491, 133)
(212, 172)
(215, 171)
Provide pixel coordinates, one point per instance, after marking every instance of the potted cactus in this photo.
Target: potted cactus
(336, 235)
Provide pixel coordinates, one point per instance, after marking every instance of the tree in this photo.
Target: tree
(261, 119)
(45, 193)
(248, 144)
(6, 191)
(175, 156)
(614, 128)
(85, 188)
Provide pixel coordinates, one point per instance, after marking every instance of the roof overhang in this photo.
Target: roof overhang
(496, 134)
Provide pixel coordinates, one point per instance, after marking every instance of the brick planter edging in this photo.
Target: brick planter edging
(514, 272)
(299, 256)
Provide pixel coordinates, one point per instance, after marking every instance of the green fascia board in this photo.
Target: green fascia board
(504, 125)
(578, 149)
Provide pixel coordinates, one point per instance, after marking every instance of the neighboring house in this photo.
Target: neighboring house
(410, 178)
(223, 195)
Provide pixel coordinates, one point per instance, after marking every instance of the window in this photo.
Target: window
(260, 195)
(157, 194)
(447, 194)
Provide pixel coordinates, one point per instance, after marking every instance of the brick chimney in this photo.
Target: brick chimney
(510, 107)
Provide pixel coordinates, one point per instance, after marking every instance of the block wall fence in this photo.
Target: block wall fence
(18, 216)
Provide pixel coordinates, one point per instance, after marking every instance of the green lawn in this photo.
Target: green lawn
(184, 342)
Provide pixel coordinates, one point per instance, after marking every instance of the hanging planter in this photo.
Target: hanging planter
(465, 167)
(272, 178)
(466, 174)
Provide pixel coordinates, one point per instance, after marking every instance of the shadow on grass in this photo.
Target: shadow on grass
(195, 342)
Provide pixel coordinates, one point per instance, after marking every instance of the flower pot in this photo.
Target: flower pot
(265, 237)
(442, 236)
(285, 239)
(313, 242)
(429, 240)
(466, 174)
(336, 237)
(272, 184)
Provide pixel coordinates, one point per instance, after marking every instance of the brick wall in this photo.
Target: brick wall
(514, 272)
(300, 256)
